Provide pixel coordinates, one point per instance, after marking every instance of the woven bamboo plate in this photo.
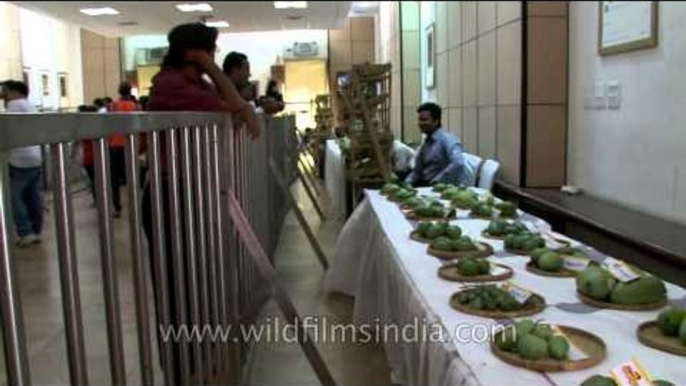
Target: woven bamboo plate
(484, 250)
(622, 307)
(592, 345)
(531, 267)
(450, 272)
(650, 335)
(520, 252)
(498, 314)
(489, 236)
(395, 199)
(411, 216)
(416, 237)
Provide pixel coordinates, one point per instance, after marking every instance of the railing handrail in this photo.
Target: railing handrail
(27, 129)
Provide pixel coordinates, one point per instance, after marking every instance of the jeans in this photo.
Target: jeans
(117, 174)
(27, 205)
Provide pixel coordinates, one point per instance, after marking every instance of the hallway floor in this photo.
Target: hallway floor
(271, 363)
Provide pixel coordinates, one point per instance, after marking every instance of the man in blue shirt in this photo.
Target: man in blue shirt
(440, 157)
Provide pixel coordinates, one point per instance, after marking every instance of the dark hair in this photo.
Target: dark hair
(17, 86)
(232, 61)
(107, 100)
(98, 102)
(271, 84)
(125, 89)
(432, 108)
(87, 109)
(192, 36)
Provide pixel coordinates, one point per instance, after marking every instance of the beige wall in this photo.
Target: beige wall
(101, 66)
(632, 155)
(478, 76)
(353, 44)
(10, 43)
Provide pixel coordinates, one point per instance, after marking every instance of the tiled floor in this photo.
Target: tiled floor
(297, 268)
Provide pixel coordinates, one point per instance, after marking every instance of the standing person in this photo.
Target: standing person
(25, 172)
(117, 144)
(180, 86)
(87, 152)
(440, 157)
(272, 101)
(237, 67)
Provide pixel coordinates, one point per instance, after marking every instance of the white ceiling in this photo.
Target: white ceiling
(158, 17)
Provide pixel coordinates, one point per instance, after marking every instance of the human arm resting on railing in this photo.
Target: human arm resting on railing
(231, 99)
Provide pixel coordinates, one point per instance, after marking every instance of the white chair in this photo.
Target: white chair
(486, 176)
(474, 162)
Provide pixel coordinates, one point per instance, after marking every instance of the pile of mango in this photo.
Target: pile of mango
(493, 298)
(471, 266)
(597, 283)
(533, 341)
(413, 203)
(502, 228)
(524, 241)
(400, 192)
(433, 230)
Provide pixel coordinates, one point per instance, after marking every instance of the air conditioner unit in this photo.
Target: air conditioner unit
(305, 49)
(150, 56)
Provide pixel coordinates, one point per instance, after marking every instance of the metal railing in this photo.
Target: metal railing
(201, 271)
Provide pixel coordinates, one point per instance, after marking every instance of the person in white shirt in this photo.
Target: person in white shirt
(403, 159)
(25, 172)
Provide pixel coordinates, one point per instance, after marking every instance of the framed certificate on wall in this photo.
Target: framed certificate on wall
(626, 26)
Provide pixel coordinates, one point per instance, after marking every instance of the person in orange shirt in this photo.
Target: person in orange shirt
(117, 142)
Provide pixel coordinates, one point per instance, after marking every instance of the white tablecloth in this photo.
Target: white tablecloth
(395, 281)
(334, 179)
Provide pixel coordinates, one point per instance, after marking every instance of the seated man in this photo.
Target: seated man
(440, 157)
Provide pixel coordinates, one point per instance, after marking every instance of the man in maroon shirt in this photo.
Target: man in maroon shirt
(179, 86)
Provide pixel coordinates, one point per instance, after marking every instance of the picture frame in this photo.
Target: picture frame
(625, 26)
(430, 41)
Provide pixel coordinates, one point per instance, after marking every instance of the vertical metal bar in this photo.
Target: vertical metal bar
(16, 362)
(160, 269)
(109, 270)
(233, 267)
(69, 277)
(192, 266)
(204, 217)
(176, 238)
(202, 151)
(139, 282)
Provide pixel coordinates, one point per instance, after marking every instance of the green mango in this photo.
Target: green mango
(442, 244)
(543, 331)
(525, 327)
(532, 347)
(530, 244)
(537, 253)
(670, 320)
(468, 267)
(454, 232)
(496, 228)
(434, 231)
(550, 261)
(450, 192)
(423, 228)
(558, 347)
(484, 266)
(507, 209)
(464, 244)
(507, 339)
(594, 282)
(647, 289)
(390, 188)
(599, 380)
(483, 210)
(510, 241)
